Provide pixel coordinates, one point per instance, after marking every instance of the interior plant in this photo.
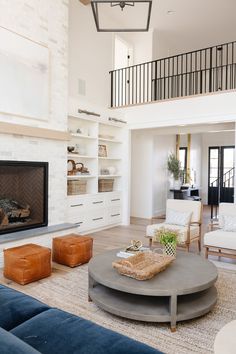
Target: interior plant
(174, 166)
(169, 239)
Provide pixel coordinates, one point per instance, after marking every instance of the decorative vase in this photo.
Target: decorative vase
(170, 249)
(171, 182)
(177, 184)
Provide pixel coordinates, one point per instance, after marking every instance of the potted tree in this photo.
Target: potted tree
(174, 168)
(169, 239)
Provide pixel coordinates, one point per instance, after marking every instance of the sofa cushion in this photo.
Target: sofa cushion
(55, 331)
(221, 239)
(10, 344)
(16, 307)
(194, 231)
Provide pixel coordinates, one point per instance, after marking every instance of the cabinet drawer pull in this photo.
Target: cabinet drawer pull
(100, 202)
(79, 223)
(115, 215)
(98, 219)
(115, 200)
(76, 205)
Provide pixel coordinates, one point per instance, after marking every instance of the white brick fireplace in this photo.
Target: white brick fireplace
(43, 22)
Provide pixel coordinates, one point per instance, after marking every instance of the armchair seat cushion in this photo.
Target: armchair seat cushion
(221, 239)
(183, 230)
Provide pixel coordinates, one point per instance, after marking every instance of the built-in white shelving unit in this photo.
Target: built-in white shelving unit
(96, 210)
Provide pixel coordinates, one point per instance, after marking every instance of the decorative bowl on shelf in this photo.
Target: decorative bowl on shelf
(70, 148)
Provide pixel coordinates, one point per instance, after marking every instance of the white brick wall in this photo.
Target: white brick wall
(44, 21)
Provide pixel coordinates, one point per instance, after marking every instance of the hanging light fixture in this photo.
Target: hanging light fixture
(122, 16)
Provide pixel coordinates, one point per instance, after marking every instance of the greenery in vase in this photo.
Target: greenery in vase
(174, 166)
(167, 236)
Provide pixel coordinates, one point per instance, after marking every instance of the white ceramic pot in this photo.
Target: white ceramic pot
(177, 184)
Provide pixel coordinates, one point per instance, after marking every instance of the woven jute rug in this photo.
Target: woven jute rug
(67, 289)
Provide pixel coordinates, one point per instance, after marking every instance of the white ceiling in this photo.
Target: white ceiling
(194, 24)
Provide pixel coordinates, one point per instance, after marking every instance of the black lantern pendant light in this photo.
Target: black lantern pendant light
(122, 16)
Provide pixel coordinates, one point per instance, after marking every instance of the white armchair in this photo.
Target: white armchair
(222, 240)
(190, 230)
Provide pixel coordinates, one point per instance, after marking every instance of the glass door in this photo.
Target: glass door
(227, 174)
(221, 174)
(213, 175)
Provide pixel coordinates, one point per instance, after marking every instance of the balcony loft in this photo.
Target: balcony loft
(198, 72)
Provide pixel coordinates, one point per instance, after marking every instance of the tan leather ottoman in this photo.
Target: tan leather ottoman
(72, 250)
(27, 263)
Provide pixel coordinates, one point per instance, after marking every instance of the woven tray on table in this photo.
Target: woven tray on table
(143, 265)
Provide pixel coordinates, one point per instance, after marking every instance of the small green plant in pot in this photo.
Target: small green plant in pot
(174, 168)
(169, 239)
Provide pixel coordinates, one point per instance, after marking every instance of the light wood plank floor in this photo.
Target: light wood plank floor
(121, 236)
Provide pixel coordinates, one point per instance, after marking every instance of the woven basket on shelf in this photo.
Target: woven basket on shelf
(143, 265)
(105, 184)
(76, 187)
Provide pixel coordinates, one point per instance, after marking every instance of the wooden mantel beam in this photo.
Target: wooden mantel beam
(85, 2)
(17, 129)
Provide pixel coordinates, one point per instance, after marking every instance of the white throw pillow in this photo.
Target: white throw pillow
(181, 218)
(229, 222)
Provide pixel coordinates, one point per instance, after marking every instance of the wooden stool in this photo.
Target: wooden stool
(72, 250)
(27, 263)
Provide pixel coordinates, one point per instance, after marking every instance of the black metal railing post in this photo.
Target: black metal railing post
(111, 73)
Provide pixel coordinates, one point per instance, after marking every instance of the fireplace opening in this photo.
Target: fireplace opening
(23, 195)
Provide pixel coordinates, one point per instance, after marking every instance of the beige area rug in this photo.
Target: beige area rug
(67, 290)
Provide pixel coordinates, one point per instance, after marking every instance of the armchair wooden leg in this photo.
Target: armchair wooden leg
(206, 252)
(187, 246)
(199, 245)
(150, 242)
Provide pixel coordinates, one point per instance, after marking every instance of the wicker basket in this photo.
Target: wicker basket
(143, 266)
(105, 185)
(76, 186)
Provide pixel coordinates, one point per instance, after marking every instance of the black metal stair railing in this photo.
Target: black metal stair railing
(199, 72)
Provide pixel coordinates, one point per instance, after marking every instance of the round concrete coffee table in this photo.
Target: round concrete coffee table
(183, 291)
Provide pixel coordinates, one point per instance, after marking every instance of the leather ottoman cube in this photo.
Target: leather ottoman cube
(72, 250)
(27, 263)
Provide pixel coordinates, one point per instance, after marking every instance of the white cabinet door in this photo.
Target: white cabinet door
(96, 201)
(81, 221)
(114, 200)
(97, 219)
(114, 215)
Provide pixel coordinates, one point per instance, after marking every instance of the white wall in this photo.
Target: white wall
(44, 22)
(149, 177)
(142, 43)
(90, 58)
(163, 145)
(192, 110)
(141, 174)
(212, 139)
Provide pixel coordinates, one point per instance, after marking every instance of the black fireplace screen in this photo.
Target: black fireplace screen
(23, 195)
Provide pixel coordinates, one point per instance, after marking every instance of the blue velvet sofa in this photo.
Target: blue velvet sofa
(28, 326)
